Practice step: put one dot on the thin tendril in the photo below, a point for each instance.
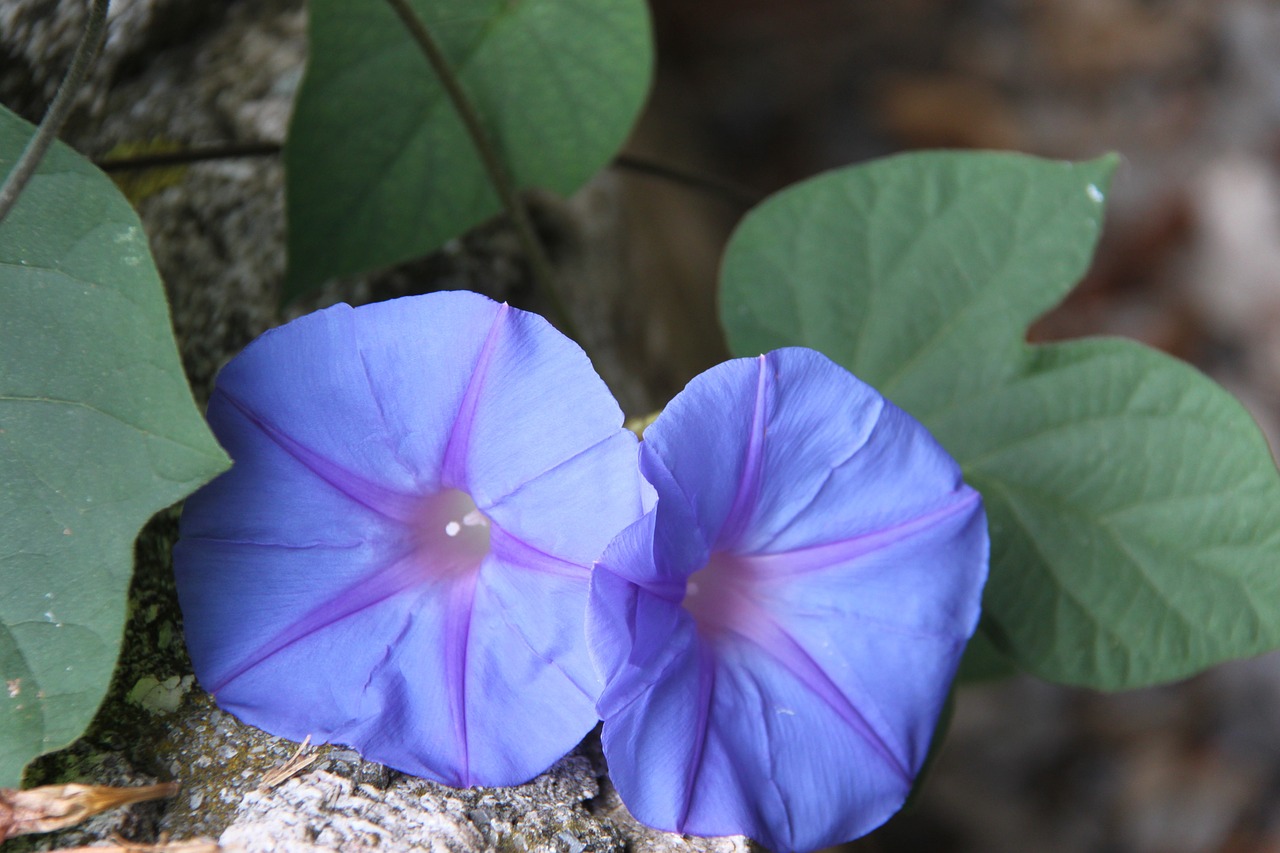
(493, 166)
(185, 157)
(94, 30)
(731, 193)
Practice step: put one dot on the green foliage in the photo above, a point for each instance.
(1133, 504)
(97, 432)
(379, 166)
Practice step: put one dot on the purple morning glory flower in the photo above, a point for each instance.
(778, 636)
(400, 557)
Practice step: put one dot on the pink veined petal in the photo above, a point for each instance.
(403, 719)
(244, 503)
(751, 737)
(531, 688)
(235, 539)
(351, 385)
(373, 697)
(329, 589)
(655, 739)
(728, 741)
(779, 424)
(520, 429)
(632, 631)
(844, 581)
(747, 495)
(678, 544)
(543, 600)
(701, 440)
(392, 505)
(804, 777)
(881, 626)
(457, 450)
(788, 565)
(599, 484)
(840, 461)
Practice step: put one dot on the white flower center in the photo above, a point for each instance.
(452, 535)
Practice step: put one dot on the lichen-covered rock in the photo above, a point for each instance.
(38, 38)
(325, 812)
(557, 813)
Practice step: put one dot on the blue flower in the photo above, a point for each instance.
(778, 636)
(399, 559)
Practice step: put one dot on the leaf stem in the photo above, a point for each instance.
(185, 157)
(493, 165)
(56, 115)
(731, 193)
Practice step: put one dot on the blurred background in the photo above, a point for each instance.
(764, 93)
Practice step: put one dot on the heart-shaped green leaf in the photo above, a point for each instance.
(1133, 504)
(379, 166)
(98, 431)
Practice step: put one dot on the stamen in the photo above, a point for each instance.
(719, 595)
(451, 534)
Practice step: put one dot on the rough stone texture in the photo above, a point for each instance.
(38, 38)
(327, 812)
(562, 810)
(226, 73)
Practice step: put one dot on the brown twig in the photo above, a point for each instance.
(194, 845)
(300, 761)
(59, 806)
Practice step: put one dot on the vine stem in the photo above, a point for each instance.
(56, 115)
(186, 156)
(730, 193)
(493, 166)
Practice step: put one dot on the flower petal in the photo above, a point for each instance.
(513, 430)
(806, 778)
(373, 392)
(695, 455)
(728, 741)
(317, 599)
(290, 684)
(633, 630)
(790, 692)
(657, 715)
(531, 688)
(883, 631)
(826, 481)
(794, 456)
(270, 510)
(576, 507)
